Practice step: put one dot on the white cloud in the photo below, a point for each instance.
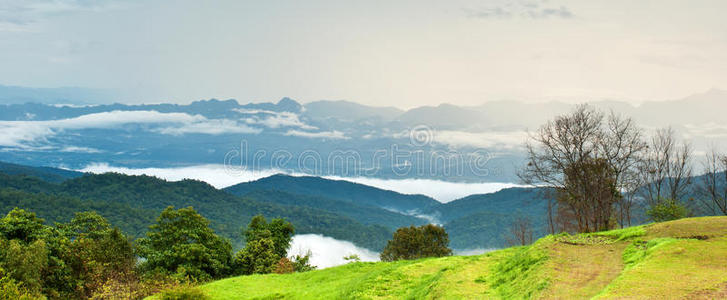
(209, 127)
(442, 191)
(336, 135)
(23, 134)
(327, 251)
(79, 149)
(216, 175)
(505, 139)
(18, 133)
(273, 119)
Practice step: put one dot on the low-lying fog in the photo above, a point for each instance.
(219, 177)
(328, 252)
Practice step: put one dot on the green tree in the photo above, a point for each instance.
(182, 243)
(25, 263)
(667, 210)
(258, 257)
(97, 251)
(27, 229)
(417, 242)
(267, 243)
(278, 230)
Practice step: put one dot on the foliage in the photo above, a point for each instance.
(25, 263)
(133, 286)
(181, 242)
(301, 263)
(667, 210)
(284, 266)
(258, 257)
(352, 258)
(35, 248)
(278, 230)
(417, 242)
(183, 292)
(97, 252)
(12, 290)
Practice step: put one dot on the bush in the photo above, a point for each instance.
(301, 263)
(11, 290)
(667, 210)
(185, 292)
(284, 266)
(417, 242)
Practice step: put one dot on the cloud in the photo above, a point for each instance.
(79, 149)
(216, 175)
(326, 251)
(442, 191)
(214, 127)
(531, 10)
(336, 135)
(280, 119)
(26, 134)
(492, 139)
(220, 176)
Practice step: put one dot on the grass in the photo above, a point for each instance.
(680, 259)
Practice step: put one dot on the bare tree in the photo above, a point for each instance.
(521, 231)
(586, 158)
(666, 168)
(632, 184)
(714, 182)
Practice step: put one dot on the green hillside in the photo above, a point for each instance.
(132, 202)
(679, 259)
(336, 189)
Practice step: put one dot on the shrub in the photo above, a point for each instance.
(184, 292)
(417, 242)
(301, 263)
(284, 266)
(667, 210)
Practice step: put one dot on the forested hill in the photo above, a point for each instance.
(343, 210)
(45, 173)
(337, 189)
(131, 202)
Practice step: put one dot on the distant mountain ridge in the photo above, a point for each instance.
(204, 132)
(336, 189)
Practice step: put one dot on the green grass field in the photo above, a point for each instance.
(683, 259)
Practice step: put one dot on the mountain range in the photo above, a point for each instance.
(341, 138)
(364, 215)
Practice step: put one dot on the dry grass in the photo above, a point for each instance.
(699, 228)
(582, 271)
(680, 269)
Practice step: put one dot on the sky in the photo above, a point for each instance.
(383, 53)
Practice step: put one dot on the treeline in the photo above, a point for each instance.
(89, 258)
(132, 202)
(602, 169)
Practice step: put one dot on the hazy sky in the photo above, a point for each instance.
(401, 53)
